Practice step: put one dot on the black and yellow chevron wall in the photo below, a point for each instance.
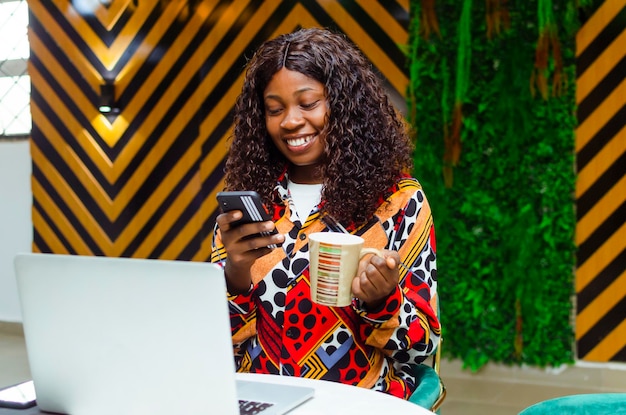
(601, 185)
(142, 183)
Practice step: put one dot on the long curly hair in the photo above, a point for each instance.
(367, 143)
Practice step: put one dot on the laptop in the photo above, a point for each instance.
(134, 336)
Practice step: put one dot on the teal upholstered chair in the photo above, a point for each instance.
(583, 404)
(430, 391)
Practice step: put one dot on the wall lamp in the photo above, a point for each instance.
(106, 102)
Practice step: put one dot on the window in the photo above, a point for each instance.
(15, 118)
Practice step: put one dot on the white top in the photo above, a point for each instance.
(305, 197)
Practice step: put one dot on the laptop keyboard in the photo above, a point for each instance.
(252, 407)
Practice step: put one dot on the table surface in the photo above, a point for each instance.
(333, 398)
(330, 398)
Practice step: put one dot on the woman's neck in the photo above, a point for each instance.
(305, 174)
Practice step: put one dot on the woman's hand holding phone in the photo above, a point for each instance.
(247, 234)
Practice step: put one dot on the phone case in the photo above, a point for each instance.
(250, 203)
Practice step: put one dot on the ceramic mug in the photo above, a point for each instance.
(334, 260)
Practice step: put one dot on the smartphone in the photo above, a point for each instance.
(20, 396)
(250, 204)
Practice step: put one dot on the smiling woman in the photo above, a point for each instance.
(367, 144)
(15, 119)
(295, 115)
(317, 136)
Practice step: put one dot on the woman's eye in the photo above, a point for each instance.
(273, 111)
(309, 105)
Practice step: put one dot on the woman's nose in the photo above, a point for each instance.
(293, 119)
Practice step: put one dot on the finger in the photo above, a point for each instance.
(392, 258)
(376, 276)
(247, 254)
(389, 265)
(271, 240)
(263, 250)
(234, 215)
(363, 263)
(381, 279)
(224, 220)
(372, 279)
(357, 286)
(368, 281)
(252, 230)
(370, 259)
(379, 265)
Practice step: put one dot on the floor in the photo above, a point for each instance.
(495, 390)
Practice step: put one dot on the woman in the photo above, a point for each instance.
(317, 137)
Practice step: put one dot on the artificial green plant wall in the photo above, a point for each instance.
(494, 121)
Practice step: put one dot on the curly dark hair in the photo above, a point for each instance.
(367, 142)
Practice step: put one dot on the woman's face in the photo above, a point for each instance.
(295, 115)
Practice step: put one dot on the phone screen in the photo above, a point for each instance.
(18, 396)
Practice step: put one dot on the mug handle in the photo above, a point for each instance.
(374, 251)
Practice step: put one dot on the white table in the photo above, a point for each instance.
(330, 398)
(333, 398)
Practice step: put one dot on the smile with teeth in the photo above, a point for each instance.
(299, 141)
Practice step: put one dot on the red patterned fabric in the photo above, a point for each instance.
(277, 329)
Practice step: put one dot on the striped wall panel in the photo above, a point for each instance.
(143, 183)
(601, 185)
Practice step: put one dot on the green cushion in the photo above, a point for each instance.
(583, 404)
(428, 386)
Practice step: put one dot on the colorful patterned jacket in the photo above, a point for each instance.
(277, 329)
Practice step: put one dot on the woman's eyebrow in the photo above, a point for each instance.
(297, 92)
